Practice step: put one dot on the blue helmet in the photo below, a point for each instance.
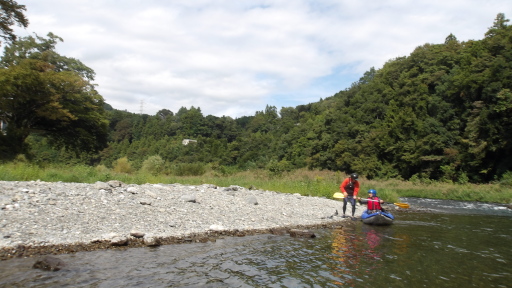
(373, 191)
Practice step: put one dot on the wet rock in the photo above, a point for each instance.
(119, 241)
(302, 233)
(278, 231)
(49, 263)
(152, 241)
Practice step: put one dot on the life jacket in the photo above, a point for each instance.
(349, 188)
(373, 203)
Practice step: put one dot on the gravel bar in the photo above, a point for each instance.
(38, 218)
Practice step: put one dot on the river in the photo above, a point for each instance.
(460, 244)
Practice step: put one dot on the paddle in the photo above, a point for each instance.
(338, 196)
(401, 205)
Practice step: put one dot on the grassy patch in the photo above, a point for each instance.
(303, 181)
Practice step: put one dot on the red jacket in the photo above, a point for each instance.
(349, 186)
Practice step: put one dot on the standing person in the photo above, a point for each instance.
(350, 187)
(373, 202)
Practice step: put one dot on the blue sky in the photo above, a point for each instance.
(233, 58)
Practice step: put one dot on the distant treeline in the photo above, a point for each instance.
(443, 113)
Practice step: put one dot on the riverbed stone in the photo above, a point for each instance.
(115, 183)
(189, 198)
(137, 234)
(101, 185)
(145, 202)
(119, 241)
(252, 200)
(152, 241)
(132, 190)
(49, 263)
(302, 233)
(278, 231)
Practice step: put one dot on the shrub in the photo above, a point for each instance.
(20, 158)
(154, 165)
(189, 169)
(103, 173)
(122, 165)
(228, 170)
(463, 178)
(506, 179)
(101, 169)
(278, 168)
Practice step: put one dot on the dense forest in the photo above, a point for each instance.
(443, 113)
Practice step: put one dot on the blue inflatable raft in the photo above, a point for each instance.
(377, 218)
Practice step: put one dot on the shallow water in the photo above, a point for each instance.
(469, 249)
(460, 207)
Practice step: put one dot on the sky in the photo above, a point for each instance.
(233, 58)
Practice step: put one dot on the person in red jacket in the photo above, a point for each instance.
(350, 187)
(373, 202)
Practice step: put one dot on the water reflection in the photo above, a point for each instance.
(361, 252)
(356, 254)
(344, 257)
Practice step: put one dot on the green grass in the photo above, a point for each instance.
(304, 182)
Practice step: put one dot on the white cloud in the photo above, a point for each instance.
(234, 57)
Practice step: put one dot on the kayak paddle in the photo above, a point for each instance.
(338, 196)
(401, 205)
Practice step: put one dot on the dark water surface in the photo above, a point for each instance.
(466, 248)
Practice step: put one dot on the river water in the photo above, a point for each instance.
(462, 244)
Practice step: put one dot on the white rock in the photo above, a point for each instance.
(215, 227)
(132, 190)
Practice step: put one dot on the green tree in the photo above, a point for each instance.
(43, 49)
(11, 13)
(500, 24)
(191, 121)
(59, 103)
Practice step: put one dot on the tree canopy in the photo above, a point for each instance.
(50, 95)
(11, 13)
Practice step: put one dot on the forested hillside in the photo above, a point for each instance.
(444, 112)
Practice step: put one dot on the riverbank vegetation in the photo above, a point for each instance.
(432, 124)
(306, 182)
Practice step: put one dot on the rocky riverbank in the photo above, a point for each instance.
(38, 218)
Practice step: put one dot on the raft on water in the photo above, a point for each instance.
(377, 218)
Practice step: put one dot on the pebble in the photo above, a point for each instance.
(79, 216)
